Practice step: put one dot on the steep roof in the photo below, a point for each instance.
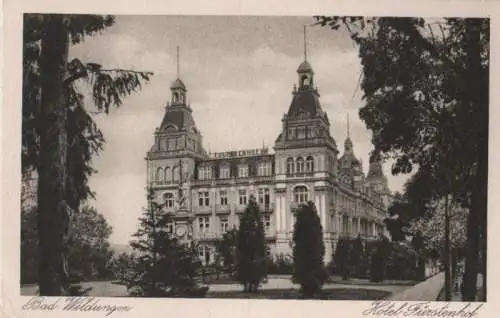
(305, 101)
(179, 117)
(375, 170)
(304, 67)
(178, 84)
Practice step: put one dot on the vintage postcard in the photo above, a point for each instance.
(234, 160)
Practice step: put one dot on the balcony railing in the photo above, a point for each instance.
(266, 207)
(222, 208)
(300, 174)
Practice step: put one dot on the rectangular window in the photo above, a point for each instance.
(301, 133)
(223, 197)
(205, 173)
(204, 223)
(224, 224)
(169, 200)
(263, 196)
(267, 169)
(243, 197)
(170, 227)
(224, 173)
(243, 171)
(264, 169)
(172, 143)
(203, 198)
(266, 222)
(260, 195)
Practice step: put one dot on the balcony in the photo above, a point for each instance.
(266, 207)
(263, 179)
(222, 208)
(203, 183)
(205, 235)
(300, 175)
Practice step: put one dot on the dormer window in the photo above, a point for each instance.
(264, 169)
(225, 172)
(301, 133)
(205, 173)
(243, 171)
(172, 144)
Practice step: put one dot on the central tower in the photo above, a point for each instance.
(306, 160)
(171, 161)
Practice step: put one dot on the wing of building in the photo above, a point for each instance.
(207, 193)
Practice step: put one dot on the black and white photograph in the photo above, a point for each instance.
(311, 157)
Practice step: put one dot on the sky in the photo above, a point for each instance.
(239, 72)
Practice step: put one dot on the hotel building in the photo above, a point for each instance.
(305, 166)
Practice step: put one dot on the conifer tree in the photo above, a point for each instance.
(342, 258)
(308, 251)
(164, 267)
(251, 249)
(59, 135)
(226, 251)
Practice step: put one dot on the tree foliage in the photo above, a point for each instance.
(226, 250)
(59, 136)
(123, 266)
(108, 86)
(342, 258)
(251, 251)
(308, 251)
(89, 252)
(425, 85)
(164, 267)
(432, 227)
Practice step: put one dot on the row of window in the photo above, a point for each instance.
(168, 175)
(263, 169)
(303, 132)
(263, 197)
(204, 224)
(299, 165)
(365, 229)
(300, 195)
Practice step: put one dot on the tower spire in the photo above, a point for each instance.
(178, 74)
(348, 134)
(305, 43)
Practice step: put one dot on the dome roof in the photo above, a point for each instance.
(178, 84)
(348, 143)
(304, 67)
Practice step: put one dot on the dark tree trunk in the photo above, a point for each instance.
(52, 215)
(477, 96)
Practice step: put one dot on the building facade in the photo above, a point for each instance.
(207, 193)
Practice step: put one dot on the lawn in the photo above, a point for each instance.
(328, 294)
(367, 282)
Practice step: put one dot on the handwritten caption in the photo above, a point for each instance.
(82, 304)
(422, 309)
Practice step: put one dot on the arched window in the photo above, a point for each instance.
(290, 168)
(176, 97)
(345, 224)
(300, 194)
(168, 177)
(305, 81)
(168, 198)
(175, 174)
(300, 165)
(309, 164)
(159, 175)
